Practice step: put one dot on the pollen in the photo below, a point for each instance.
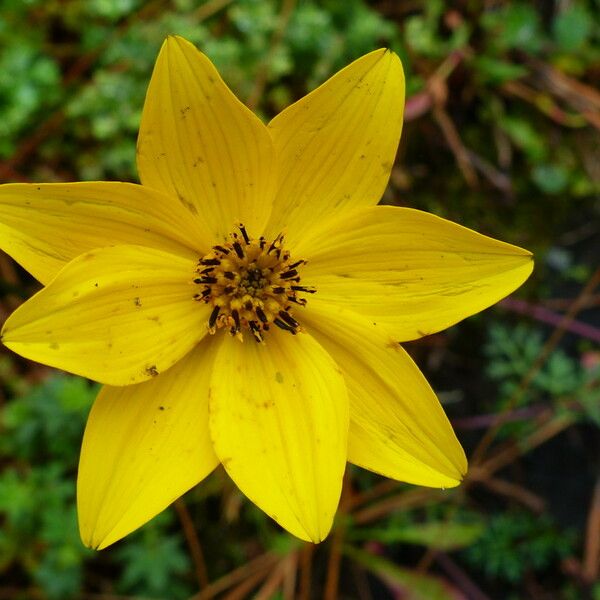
(252, 284)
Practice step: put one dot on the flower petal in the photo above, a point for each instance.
(45, 225)
(397, 426)
(409, 270)
(144, 446)
(198, 142)
(279, 423)
(336, 147)
(118, 315)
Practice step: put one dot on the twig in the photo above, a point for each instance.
(489, 419)
(461, 154)
(549, 346)
(335, 555)
(242, 591)
(508, 454)
(272, 582)
(404, 500)
(260, 563)
(288, 587)
(515, 492)
(261, 79)
(193, 542)
(333, 566)
(459, 577)
(306, 555)
(384, 487)
(545, 315)
(208, 9)
(591, 557)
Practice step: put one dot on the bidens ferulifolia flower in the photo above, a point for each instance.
(266, 235)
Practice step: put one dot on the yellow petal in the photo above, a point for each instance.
(198, 142)
(118, 315)
(45, 225)
(336, 147)
(397, 426)
(279, 423)
(409, 270)
(144, 446)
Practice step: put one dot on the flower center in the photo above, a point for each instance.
(251, 284)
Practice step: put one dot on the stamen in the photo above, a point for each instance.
(255, 330)
(238, 249)
(288, 319)
(289, 274)
(244, 233)
(236, 319)
(261, 315)
(213, 317)
(296, 264)
(284, 326)
(251, 284)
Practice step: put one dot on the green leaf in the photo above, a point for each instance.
(412, 586)
(514, 26)
(523, 134)
(497, 71)
(551, 179)
(439, 535)
(572, 27)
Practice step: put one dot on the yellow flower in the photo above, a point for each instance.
(266, 235)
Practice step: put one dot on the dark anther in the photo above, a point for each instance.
(297, 264)
(248, 305)
(255, 329)
(288, 319)
(229, 275)
(207, 270)
(289, 274)
(278, 290)
(300, 301)
(244, 233)
(260, 314)
(300, 288)
(213, 316)
(236, 319)
(238, 249)
(221, 249)
(274, 243)
(211, 261)
(206, 280)
(202, 295)
(282, 325)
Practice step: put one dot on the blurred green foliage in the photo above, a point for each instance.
(520, 161)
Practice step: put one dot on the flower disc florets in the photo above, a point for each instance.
(251, 284)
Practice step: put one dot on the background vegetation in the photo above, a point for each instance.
(502, 135)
